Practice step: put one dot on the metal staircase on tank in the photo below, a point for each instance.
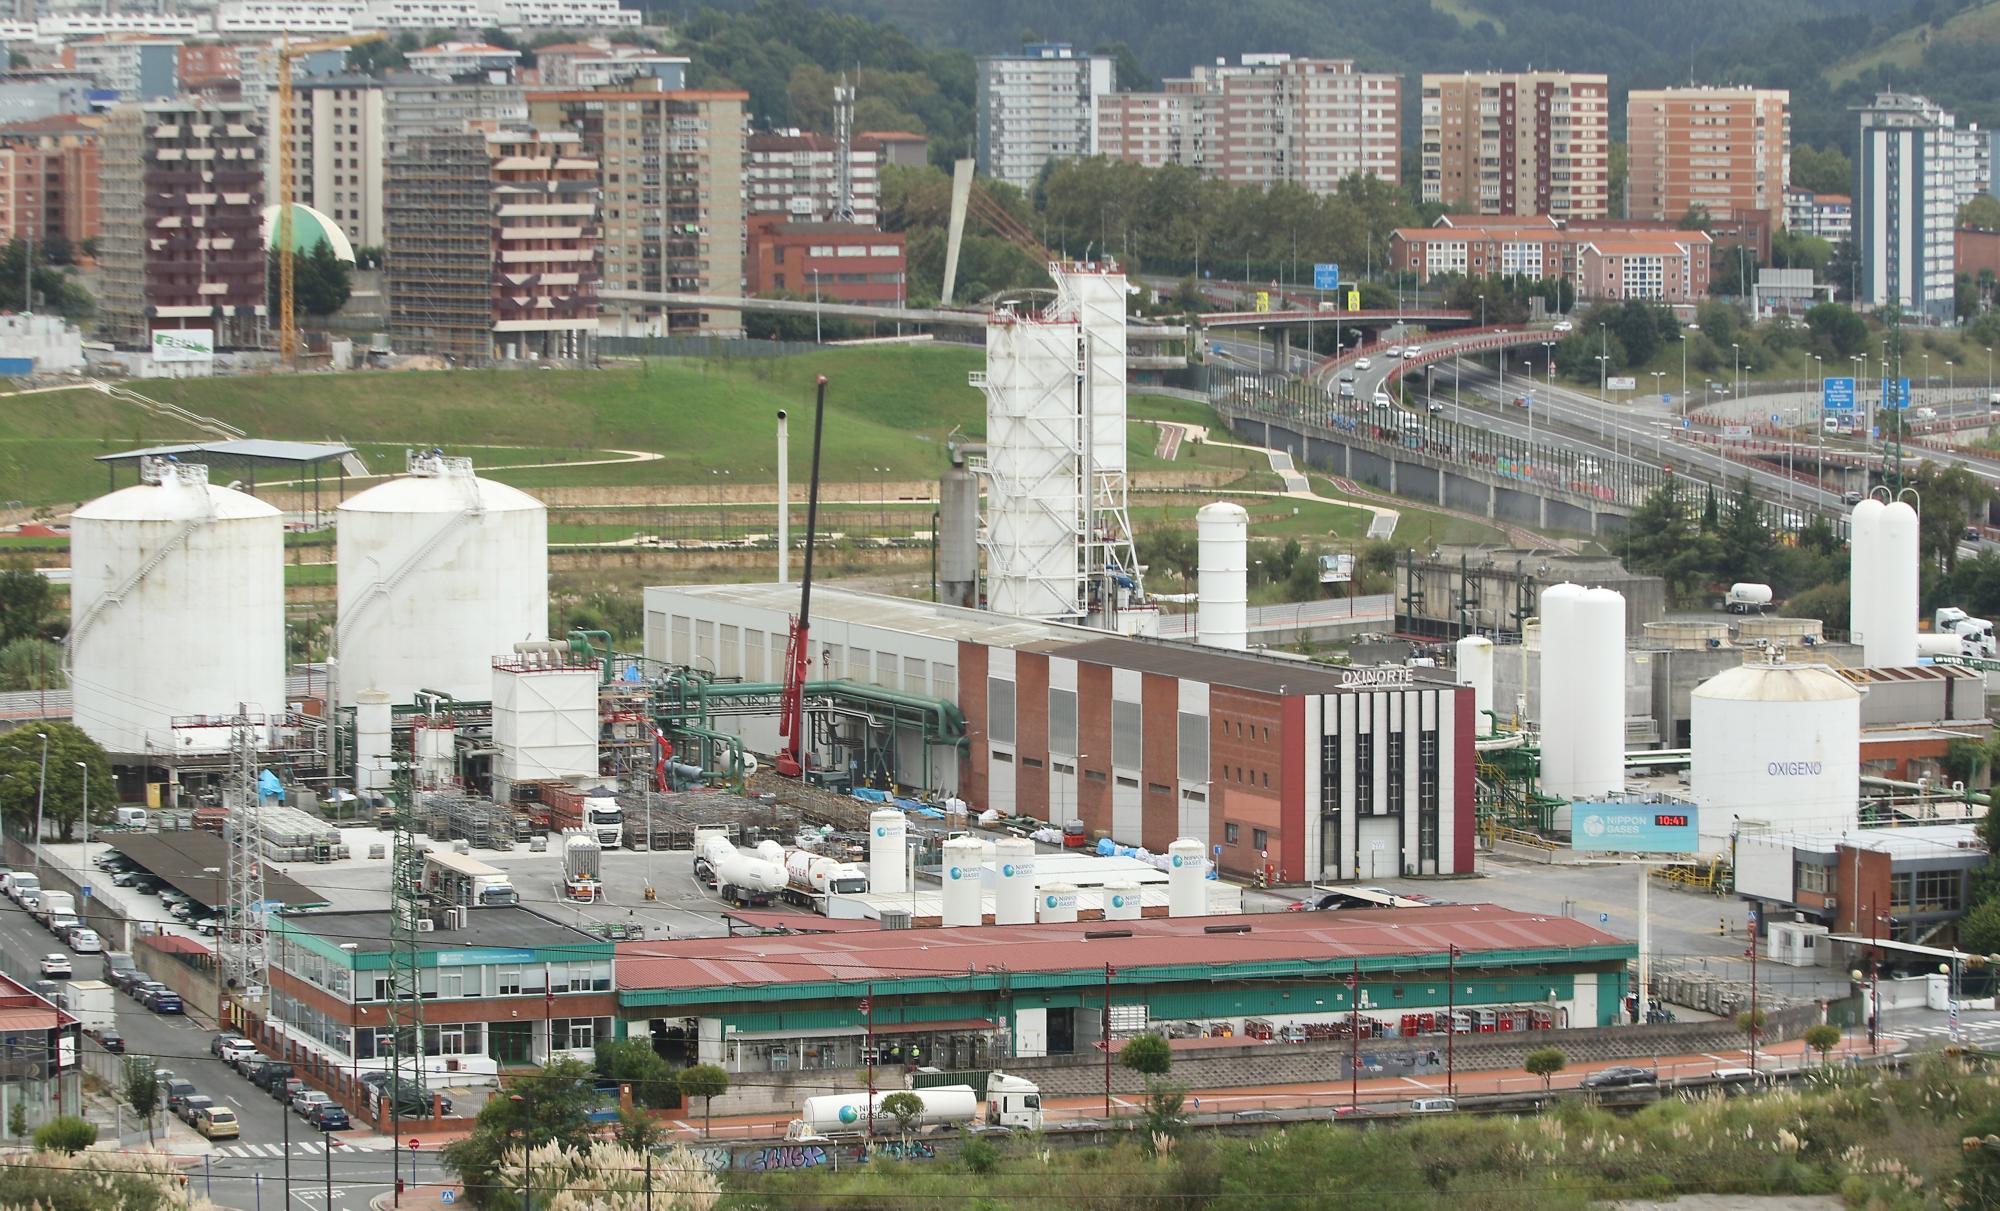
(196, 476)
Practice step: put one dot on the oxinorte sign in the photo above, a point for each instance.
(1377, 679)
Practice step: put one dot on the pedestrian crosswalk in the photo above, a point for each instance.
(1942, 1030)
(299, 1148)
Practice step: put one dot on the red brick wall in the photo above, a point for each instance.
(1160, 821)
(1860, 900)
(1031, 734)
(1093, 736)
(972, 701)
(1290, 860)
(1246, 730)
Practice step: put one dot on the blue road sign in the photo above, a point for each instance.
(1837, 395)
(1667, 399)
(1604, 918)
(1896, 393)
(1326, 277)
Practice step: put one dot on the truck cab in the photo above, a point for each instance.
(605, 820)
(1013, 1102)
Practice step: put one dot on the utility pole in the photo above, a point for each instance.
(1354, 1037)
(246, 954)
(406, 1003)
(1109, 971)
(1751, 916)
(868, 1007)
(1451, 1020)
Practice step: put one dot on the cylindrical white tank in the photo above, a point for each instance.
(434, 740)
(1559, 671)
(1058, 902)
(1864, 538)
(371, 741)
(964, 899)
(1222, 536)
(1474, 657)
(1597, 701)
(1014, 881)
(1775, 745)
(440, 571)
(1121, 902)
(1187, 866)
(887, 831)
(1892, 643)
(201, 633)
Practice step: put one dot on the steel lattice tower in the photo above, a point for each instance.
(246, 950)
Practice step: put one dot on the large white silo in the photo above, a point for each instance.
(373, 721)
(1559, 669)
(440, 571)
(1057, 903)
(888, 831)
(1187, 870)
(1864, 536)
(1013, 881)
(964, 899)
(1775, 746)
(177, 609)
(1597, 705)
(1474, 664)
(1222, 546)
(1892, 642)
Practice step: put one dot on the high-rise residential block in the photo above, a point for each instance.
(1722, 149)
(1037, 106)
(181, 244)
(339, 151)
(49, 179)
(797, 174)
(1270, 119)
(135, 66)
(672, 168)
(419, 106)
(1910, 168)
(1517, 143)
(545, 237)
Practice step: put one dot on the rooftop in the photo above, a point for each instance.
(1244, 670)
(513, 928)
(195, 861)
(832, 604)
(242, 451)
(1913, 842)
(1319, 940)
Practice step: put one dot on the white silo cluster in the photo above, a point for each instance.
(1582, 691)
(1222, 544)
(1775, 746)
(1473, 661)
(177, 609)
(964, 897)
(1882, 582)
(440, 571)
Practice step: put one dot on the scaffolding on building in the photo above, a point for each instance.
(438, 221)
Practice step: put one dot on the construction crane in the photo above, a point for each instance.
(288, 320)
(792, 760)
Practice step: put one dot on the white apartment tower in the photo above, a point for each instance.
(1037, 106)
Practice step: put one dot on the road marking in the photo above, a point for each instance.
(688, 1127)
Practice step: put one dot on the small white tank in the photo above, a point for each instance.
(1474, 656)
(1014, 881)
(964, 898)
(1187, 867)
(371, 741)
(1222, 550)
(1057, 903)
(887, 831)
(1121, 902)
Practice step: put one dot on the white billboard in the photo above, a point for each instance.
(184, 345)
(1622, 384)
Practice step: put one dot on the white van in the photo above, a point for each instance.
(1433, 1105)
(134, 817)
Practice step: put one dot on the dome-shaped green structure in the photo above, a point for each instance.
(309, 227)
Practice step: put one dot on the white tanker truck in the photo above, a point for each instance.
(741, 877)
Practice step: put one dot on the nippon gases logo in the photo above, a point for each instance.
(881, 830)
(1117, 901)
(1050, 901)
(1177, 860)
(1007, 871)
(954, 872)
(849, 1114)
(1593, 826)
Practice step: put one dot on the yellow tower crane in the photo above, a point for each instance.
(288, 319)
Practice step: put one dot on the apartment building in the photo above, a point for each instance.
(134, 66)
(181, 241)
(838, 262)
(419, 106)
(1269, 119)
(437, 213)
(1829, 216)
(1605, 261)
(1909, 172)
(797, 174)
(49, 179)
(673, 195)
(339, 151)
(600, 62)
(1723, 149)
(545, 213)
(1517, 143)
(454, 59)
(1037, 106)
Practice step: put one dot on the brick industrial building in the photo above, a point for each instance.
(845, 262)
(1528, 143)
(181, 244)
(1723, 149)
(1606, 260)
(1271, 119)
(1312, 772)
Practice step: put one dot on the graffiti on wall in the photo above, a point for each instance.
(914, 1150)
(715, 1156)
(786, 1156)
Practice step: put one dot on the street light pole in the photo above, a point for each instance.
(1451, 1020)
(85, 767)
(41, 794)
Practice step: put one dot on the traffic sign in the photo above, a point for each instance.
(447, 1196)
(1667, 399)
(1775, 420)
(1604, 918)
(415, 1143)
(1837, 395)
(1326, 277)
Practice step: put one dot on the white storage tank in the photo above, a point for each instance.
(372, 718)
(1122, 902)
(1058, 902)
(177, 608)
(1013, 881)
(1864, 538)
(1775, 745)
(964, 898)
(1597, 702)
(887, 830)
(1892, 642)
(1187, 868)
(1474, 660)
(1560, 668)
(440, 571)
(1222, 537)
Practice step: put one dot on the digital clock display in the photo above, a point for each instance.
(1670, 821)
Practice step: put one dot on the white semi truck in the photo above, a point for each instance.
(812, 877)
(1975, 634)
(742, 877)
(1011, 1102)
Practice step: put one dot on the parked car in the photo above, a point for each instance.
(218, 1123)
(166, 1001)
(269, 1073)
(242, 1052)
(305, 1100)
(1619, 1076)
(191, 1106)
(176, 1091)
(130, 878)
(84, 941)
(56, 967)
(329, 1117)
(111, 1041)
(1433, 1105)
(286, 1089)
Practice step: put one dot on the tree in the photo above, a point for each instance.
(142, 1090)
(1545, 1062)
(1842, 331)
(550, 1107)
(636, 1129)
(1696, 219)
(1982, 212)
(1822, 171)
(707, 1082)
(1823, 1039)
(31, 664)
(1148, 1054)
(634, 1062)
(17, 1119)
(66, 1133)
(1980, 931)
(906, 1108)
(1152, 1057)
(24, 604)
(62, 806)
(1751, 1022)
(321, 281)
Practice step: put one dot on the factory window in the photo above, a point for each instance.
(1230, 833)
(1264, 778)
(1810, 878)
(1194, 797)
(1093, 775)
(1127, 735)
(1398, 774)
(1427, 796)
(730, 662)
(1192, 753)
(1157, 788)
(1260, 839)
(1329, 775)
(829, 658)
(1937, 891)
(1000, 710)
(1032, 762)
(573, 1034)
(1131, 782)
(1062, 722)
(509, 983)
(1364, 774)
(1061, 768)
(913, 674)
(944, 682)
(704, 644)
(885, 671)
(679, 652)
(1003, 757)
(753, 655)
(451, 983)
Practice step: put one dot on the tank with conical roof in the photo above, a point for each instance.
(177, 610)
(440, 571)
